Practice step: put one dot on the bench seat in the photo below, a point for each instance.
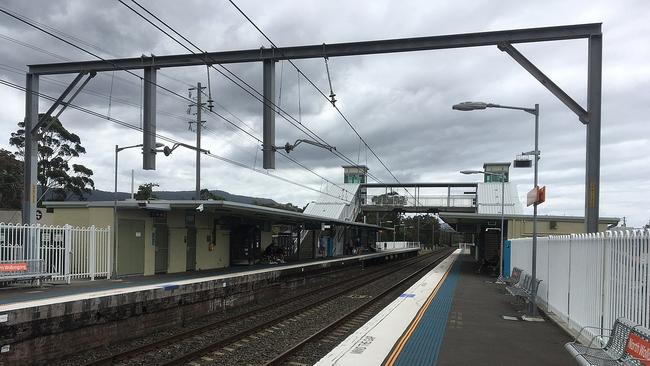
(616, 351)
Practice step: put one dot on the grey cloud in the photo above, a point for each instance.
(401, 103)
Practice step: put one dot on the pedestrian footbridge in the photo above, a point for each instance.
(419, 197)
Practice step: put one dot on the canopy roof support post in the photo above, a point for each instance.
(268, 110)
(594, 99)
(149, 120)
(30, 188)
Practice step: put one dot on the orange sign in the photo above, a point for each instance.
(536, 196)
(13, 267)
(638, 348)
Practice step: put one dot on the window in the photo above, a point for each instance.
(495, 178)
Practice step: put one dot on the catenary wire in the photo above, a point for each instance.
(285, 115)
(128, 71)
(323, 94)
(162, 137)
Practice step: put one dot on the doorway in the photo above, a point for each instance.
(190, 264)
(130, 247)
(161, 242)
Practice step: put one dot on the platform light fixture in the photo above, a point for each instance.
(471, 106)
(503, 180)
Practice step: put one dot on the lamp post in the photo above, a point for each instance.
(394, 228)
(404, 232)
(470, 106)
(159, 148)
(379, 232)
(114, 256)
(502, 177)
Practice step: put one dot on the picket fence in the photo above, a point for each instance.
(54, 252)
(591, 279)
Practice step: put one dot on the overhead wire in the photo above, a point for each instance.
(159, 136)
(130, 72)
(90, 91)
(320, 92)
(249, 89)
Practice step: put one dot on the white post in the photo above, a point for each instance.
(92, 257)
(132, 183)
(67, 255)
(37, 255)
(108, 255)
(568, 305)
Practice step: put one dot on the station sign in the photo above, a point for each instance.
(522, 163)
(13, 267)
(536, 196)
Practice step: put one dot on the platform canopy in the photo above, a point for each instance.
(225, 208)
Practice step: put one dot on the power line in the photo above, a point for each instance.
(285, 115)
(33, 25)
(198, 48)
(295, 161)
(161, 137)
(90, 91)
(128, 71)
(320, 92)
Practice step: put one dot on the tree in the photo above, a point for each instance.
(207, 195)
(389, 199)
(56, 147)
(145, 192)
(11, 180)
(280, 206)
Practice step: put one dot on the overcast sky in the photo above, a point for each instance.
(400, 103)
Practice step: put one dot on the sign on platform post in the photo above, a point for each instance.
(536, 196)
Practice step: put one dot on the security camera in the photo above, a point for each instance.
(200, 208)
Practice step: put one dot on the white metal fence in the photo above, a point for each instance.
(441, 200)
(465, 248)
(591, 279)
(62, 252)
(393, 245)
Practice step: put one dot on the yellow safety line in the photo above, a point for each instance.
(397, 349)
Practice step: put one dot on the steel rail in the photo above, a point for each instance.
(136, 351)
(184, 359)
(322, 332)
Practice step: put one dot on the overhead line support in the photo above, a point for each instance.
(545, 81)
(268, 114)
(333, 50)
(268, 56)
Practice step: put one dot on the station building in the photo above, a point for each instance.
(163, 236)
(483, 226)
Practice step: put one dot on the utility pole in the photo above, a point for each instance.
(199, 124)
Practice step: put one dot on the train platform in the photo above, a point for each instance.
(13, 298)
(452, 316)
(35, 321)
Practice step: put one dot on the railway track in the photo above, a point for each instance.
(309, 350)
(276, 340)
(168, 349)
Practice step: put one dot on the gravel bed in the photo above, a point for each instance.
(313, 281)
(270, 342)
(223, 331)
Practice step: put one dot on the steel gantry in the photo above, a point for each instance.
(504, 40)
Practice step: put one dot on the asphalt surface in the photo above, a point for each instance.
(476, 333)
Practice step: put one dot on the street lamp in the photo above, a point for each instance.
(470, 106)
(160, 147)
(395, 227)
(379, 231)
(117, 150)
(503, 180)
(404, 232)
